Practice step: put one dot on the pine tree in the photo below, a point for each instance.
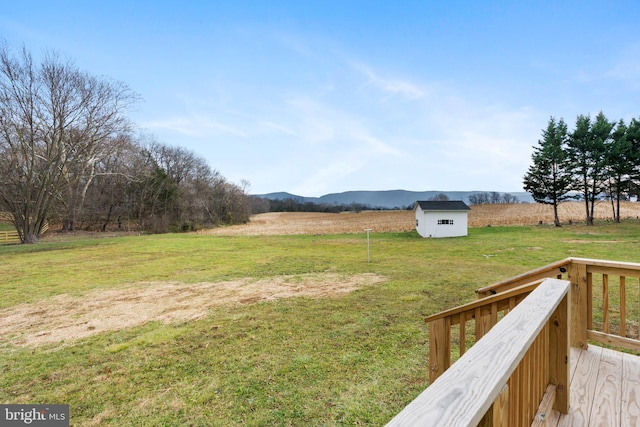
(548, 178)
(587, 149)
(621, 162)
(633, 138)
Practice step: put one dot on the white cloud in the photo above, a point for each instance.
(390, 86)
(196, 126)
(178, 125)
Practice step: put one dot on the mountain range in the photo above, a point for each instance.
(389, 199)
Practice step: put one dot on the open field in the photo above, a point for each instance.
(212, 330)
(280, 223)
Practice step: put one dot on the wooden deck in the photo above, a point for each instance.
(605, 390)
(587, 301)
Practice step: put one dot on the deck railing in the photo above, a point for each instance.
(603, 306)
(606, 299)
(452, 331)
(502, 379)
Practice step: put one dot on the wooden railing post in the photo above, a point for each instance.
(439, 347)
(559, 357)
(579, 304)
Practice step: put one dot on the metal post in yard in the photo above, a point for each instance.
(368, 246)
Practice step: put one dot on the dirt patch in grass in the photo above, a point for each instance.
(67, 318)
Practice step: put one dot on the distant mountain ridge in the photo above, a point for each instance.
(388, 199)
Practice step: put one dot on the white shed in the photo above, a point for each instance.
(441, 218)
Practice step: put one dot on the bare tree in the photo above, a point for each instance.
(479, 199)
(99, 131)
(495, 198)
(176, 190)
(440, 197)
(54, 122)
(509, 198)
(107, 199)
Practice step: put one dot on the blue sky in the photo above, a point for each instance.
(315, 97)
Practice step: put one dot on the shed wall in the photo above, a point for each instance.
(441, 223)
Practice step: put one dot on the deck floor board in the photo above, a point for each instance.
(605, 410)
(630, 403)
(605, 390)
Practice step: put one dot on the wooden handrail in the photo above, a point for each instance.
(606, 266)
(483, 313)
(465, 393)
(556, 269)
(611, 326)
(526, 288)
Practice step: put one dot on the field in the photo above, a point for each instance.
(275, 223)
(252, 328)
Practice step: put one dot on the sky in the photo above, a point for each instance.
(317, 97)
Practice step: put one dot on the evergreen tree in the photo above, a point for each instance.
(633, 138)
(620, 162)
(587, 148)
(548, 178)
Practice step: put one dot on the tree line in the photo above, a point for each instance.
(69, 154)
(484, 198)
(294, 204)
(598, 159)
(492, 198)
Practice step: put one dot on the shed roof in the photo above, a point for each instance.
(448, 205)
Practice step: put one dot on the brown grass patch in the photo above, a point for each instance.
(67, 318)
(280, 223)
(536, 213)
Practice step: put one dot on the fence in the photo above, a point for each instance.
(9, 237)
(12, 237)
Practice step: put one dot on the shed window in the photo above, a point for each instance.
(445, 222)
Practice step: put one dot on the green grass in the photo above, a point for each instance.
(5, 226)
(353, 359)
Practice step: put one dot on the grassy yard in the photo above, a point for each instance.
(354, 358)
